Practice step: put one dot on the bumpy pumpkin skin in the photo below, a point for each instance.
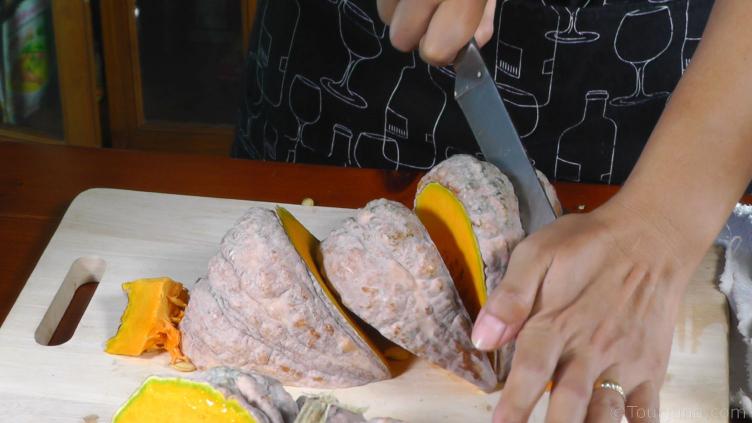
(220, 395)
(149, 322)
(261, 309)
(387, 270)
(464, 189)
(491, 205)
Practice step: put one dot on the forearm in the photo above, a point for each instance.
(698, 160)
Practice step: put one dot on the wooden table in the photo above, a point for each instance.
(38, 182)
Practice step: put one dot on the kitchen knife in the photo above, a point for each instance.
(479, 99)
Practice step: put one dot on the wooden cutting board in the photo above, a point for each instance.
(114, 236)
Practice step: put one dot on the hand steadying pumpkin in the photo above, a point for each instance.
(595, 296)
(589, 298)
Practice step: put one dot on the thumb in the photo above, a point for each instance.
(509, 305)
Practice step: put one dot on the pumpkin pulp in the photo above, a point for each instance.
(450, 228)
(155, 306)
(180, 400)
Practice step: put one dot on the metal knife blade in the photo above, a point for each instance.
(479, 99)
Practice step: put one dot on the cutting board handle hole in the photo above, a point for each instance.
(69, 304)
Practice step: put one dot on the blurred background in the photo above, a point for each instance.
(140, 74)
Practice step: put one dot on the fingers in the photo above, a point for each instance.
(386, 9)
(410, 21)
(450, 29)
(439, 27)
(510, 303)
(533, 364)
(606, 405)
(486, 28)
(573, 387)
(643, 405)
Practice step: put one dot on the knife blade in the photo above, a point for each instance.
(475, 91)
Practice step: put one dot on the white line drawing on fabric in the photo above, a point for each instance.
(305, 104)
(245, 136)
(688, 50)
(570, 34)
(397, 124)
(511, 61)
(632, 45)
(358, 33)
(586, 149)
(274, 48)
(371, 149)
(517, 66)
(692, 39)
(341, 140)
(513, 64)
(270, 141)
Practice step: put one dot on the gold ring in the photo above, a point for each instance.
(610, 384)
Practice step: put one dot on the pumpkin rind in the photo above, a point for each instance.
(262, 309)
(387, 270)
(220, 395)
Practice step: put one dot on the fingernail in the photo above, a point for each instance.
(487, 332)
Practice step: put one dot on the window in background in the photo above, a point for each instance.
(191, 59)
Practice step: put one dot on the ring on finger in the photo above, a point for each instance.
(611, 385)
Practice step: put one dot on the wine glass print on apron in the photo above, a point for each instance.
(572, 35)
(643, 35)
(305, 104)
(358, 33)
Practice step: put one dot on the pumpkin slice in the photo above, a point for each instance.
(462, 190)
(149, 322)
(263, 307)
(471, 212)
(308, 247)
(451, 230)
(221, 395)
(387, 271)
(180, 400)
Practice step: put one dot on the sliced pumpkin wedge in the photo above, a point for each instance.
(307, 247)
(450, 228)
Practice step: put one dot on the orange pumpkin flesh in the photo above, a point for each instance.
(149, 322)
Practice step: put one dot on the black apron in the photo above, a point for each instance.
(584, 81)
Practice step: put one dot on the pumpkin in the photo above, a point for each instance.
(165, 399)
(387, 270)
(471, 212)
(149, 322)
(264, 307)
(451, 229)
(221, 395)
(307, 247)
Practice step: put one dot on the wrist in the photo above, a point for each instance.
(667, 241)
